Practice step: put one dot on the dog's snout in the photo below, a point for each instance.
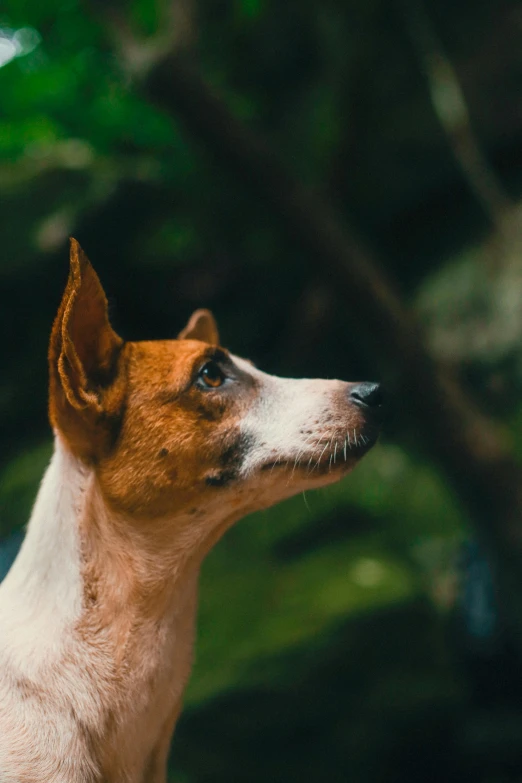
(367, 395)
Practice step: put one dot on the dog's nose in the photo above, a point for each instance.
(367, 395)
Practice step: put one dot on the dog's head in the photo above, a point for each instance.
(179, 427)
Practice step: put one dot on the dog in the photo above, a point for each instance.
(160, 447)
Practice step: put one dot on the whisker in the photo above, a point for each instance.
(321, 454)
(278, 460)
(300, 454)
(312, 457)
(306, 502)
(296, 461)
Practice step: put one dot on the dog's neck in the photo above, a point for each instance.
(88, 593)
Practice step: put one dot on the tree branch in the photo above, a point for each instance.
(451, 108)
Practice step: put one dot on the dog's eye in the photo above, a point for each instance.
(212, 375)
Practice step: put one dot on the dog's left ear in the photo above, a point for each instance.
(201, 326)
(84, 351)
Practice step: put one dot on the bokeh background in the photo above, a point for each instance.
(339, 181)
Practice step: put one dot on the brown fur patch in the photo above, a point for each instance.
(191, 444)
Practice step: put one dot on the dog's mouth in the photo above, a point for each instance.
(327, 455)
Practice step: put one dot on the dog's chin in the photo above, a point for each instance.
(319, 469)
(276, 480)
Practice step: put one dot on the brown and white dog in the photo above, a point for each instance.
(159, 448)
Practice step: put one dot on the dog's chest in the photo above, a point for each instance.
(102, 715)
(148, 693)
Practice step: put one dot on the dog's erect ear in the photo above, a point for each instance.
(201, 326)
(83, 357)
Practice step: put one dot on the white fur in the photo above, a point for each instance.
(40, 601)
(285, 410)
(41, 596)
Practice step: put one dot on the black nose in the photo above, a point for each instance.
(367, 395)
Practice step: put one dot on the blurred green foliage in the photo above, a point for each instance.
(328, 642)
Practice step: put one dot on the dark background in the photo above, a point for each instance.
(339, 181)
